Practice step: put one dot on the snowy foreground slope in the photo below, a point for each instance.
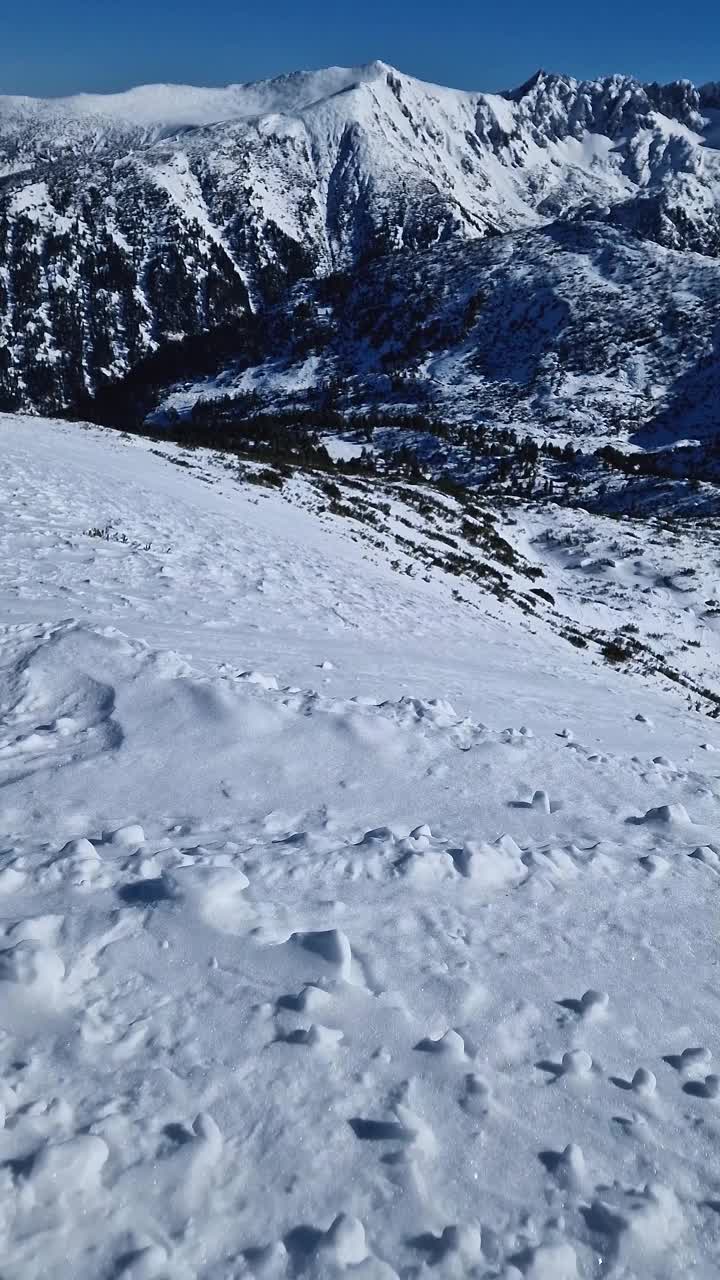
(347, 930)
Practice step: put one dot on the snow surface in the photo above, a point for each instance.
(346, 930)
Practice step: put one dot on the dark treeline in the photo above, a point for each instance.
(127, 402)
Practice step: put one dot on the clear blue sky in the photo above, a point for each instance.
(61, 46)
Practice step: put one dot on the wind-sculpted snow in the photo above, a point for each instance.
(349, 926)
(168, 211)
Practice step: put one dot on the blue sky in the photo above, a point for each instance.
(61, 46)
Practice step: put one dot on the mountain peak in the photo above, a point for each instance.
(377, 68)
(539, 78)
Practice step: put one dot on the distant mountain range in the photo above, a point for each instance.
(132, 220)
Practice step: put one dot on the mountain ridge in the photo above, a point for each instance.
(117, 237)
(139, 97)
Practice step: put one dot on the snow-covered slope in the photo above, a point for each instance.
(166, 211)
(353, 924)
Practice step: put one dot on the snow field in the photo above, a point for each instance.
(345, 930)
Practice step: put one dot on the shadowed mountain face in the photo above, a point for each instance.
(568, 331)
(131, 220)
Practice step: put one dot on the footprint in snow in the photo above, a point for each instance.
(664, 815)
(315, 1036)
(707, 1088)
(691, 1059)
(458, 1244)
(450, 1046)
(592, 1004)
(567, 1167)
(576, 1064)
(310, 1251)
(540, 802)
(643, 1083)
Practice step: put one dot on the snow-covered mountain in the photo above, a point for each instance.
(131, 219)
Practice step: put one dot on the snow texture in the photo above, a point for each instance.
(347, 928)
